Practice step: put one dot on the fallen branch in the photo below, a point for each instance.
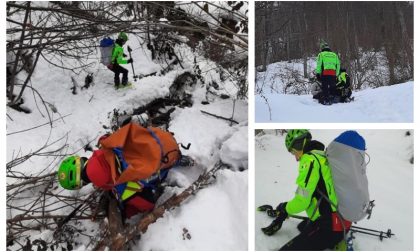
(119, 241)
(31, 181)
(220, 117)
(19, 218)
(66, 219)
(20, 131)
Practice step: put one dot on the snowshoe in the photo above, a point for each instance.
(121, 86)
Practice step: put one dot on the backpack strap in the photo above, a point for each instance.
(160, 145)
(164, 156)
(151, 182)
(121, 166)
(321, 179)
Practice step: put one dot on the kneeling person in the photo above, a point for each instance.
(315, 194)
(132, 163)
(343, 86)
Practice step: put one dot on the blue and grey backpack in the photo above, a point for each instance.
(346, 158)
(106, 46)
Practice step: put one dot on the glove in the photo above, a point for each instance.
(281, 214)
(273, 212)
(130, 60)
(318, 77)
(124, 55)
(281, 207)
(269, 209)
(275, 225)
(264, 208)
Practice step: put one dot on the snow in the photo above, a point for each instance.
(221, 10)
(391, 185)
(385, 104)
(276, 90)
(233, 151)
(216, 216)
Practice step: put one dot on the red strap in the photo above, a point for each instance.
(328, 72)
(337, 224)
(137, 205)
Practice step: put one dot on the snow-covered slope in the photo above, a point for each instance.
(384, 104)
(390, 184)
(216, 217)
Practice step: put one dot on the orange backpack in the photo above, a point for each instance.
(145, 150)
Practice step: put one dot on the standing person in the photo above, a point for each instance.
(117, 59)
(327, 70)
(323, 229)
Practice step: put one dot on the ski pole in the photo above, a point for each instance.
(299, 217)
(388, 233)
(381, 236)
(356, 229)
(132, 67)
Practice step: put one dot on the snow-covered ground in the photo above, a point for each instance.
(216, 217)
(278, 102)
(390, 184)
(385, 104)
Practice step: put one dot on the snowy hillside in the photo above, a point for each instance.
(216, 217)
(390, 177)
(384, 104)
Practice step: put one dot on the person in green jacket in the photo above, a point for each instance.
(343, 85)
(315, 194)
(327, 69)
(118, 58)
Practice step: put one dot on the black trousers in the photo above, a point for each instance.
(328, 86)
(117, 69)
(316, 236)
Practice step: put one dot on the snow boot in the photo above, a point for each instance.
(186, 161)
(326, 102)
(141, 119)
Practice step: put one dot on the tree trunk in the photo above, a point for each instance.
(18, 54)
(387, 44)
(305, 49)
(405, 38)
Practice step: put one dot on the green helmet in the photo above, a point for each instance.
(123, 36)
(324, 45)
(69, 173)
(295, 138)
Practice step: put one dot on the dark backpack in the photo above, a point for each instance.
(347, 81)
